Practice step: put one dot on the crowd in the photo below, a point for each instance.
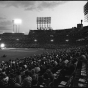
(41, 70)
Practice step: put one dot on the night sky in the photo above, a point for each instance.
(64, 14)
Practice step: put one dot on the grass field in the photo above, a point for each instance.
(13, 53)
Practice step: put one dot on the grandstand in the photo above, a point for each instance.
(40, 38)
(45, 58)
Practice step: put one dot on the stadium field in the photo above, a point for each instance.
(13, 53)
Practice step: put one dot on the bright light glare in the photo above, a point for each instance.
(17, 21)
(51, 40)
(17, 39)
(2, 45)
(35, 40)
(66, 40)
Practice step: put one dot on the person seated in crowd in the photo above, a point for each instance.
(18, 78)
(34, 77)
(39, 70)
(12, 81)
(48, 76)
(27, 81)
(4, 80)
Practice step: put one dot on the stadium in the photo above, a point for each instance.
(45, 57)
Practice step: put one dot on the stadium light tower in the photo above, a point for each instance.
(17, 22)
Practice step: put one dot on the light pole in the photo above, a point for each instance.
(17, 22)
(13, 24)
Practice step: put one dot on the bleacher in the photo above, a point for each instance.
(60, 68)
(46, 38)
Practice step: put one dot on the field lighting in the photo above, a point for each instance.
(51, 40)
(17, 39)
(17, 21)
(2, 45)
(35, 40)
(67, 40)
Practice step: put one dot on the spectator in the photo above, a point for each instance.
(12, 81)
(37, 69)
(48, 76)
(18, 78)
(34, 77)
(27, 81)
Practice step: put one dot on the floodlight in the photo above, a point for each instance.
(17, 39)
(51, 40)
(2, 45)
(35, 40)
(66, 40)
(17, 21)
(67, 35)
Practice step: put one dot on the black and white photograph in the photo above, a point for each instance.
(44, 43)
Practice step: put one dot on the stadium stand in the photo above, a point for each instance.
(67, 66)
(59, 68)
(46, 38)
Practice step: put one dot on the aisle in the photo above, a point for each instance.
(82, 81)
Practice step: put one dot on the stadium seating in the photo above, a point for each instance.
(46, 38)
(60, 68)
(67, 66)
